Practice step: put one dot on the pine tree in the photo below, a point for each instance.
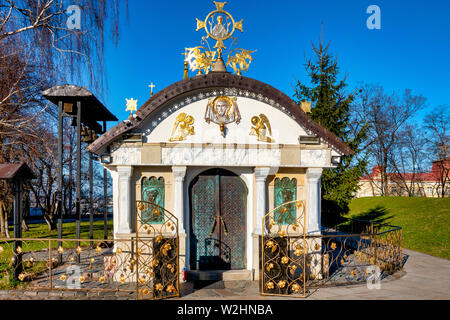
(331, 109)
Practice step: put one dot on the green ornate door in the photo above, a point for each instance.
(218, 221)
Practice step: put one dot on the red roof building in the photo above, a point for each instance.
(428, 184)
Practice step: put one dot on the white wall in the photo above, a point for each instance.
(285, 130)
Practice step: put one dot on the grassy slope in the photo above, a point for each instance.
(425, 221)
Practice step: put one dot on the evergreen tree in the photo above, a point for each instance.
(331, 108)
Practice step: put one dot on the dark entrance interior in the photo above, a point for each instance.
(218, 200)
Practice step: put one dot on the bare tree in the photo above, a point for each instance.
(437, 123)
(41, 44)
(43, 159)
(386, 115)
(407, 160)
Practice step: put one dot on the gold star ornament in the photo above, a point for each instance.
(131, 105)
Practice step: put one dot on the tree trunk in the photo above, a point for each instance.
(2, 221)
(24, 226)
(4, 213)
(26, 211)
(51, 223)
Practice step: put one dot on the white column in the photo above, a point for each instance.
(313, 199)
(179, 173)
(115, 194)
(261, 174)
(125, 201)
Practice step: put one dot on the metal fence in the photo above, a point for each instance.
(145, 263)
(67, 264)
(294, 262)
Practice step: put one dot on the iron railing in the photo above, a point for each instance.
(145, 262)
(349, 253)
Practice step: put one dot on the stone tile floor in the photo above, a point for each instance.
(424, 277)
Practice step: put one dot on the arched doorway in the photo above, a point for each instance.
(218, 206)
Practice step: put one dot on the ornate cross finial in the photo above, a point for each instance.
(219, 26)
(131, 105)
(151, 86)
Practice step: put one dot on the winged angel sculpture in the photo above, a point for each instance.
(183, 127)
(260, 127)
(241, 61)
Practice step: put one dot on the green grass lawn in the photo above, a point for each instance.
(41, 231)
(69, 230)
(425, 221)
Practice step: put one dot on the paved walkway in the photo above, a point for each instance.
(424, 277)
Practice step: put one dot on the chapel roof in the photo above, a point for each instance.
(217, 80)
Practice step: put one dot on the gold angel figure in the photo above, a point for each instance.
(183, 127)
(201, 61)
(241, 61)
(260, 127)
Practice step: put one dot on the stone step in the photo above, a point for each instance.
(187, 288)
(220, 275)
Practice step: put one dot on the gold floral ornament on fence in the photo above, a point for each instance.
(283, 253)
(157, 255)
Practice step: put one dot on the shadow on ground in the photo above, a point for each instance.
(379, 214)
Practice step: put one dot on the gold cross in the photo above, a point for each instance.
(151, 86)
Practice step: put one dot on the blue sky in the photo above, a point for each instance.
(411, 50)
